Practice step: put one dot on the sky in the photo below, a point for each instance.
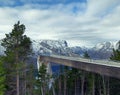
(79, 22)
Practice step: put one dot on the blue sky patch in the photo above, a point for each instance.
(13, 3)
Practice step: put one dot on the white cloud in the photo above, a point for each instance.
(84, 26)
(100, 7)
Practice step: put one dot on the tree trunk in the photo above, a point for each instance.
(93, 84)
(65, 84)
(25, 88)
(17, 76)
(100, 92)
(99, 87)
(59, 86)
(42, 91)
(18, 83)
(75, 87)
(108, 88)
(25, 79)
(53, 90)
(104, 85)
(82, 83)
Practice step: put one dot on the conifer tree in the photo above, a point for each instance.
(116, 53)
(2, 78)
(43, 79)
(86, 55)
(18, 47)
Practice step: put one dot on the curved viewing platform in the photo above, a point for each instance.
(102, 67)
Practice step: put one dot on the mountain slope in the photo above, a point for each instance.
(99, 51)
(51, 47)
(102, 50)
(60, 47)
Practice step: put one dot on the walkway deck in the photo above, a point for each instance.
(102, 67)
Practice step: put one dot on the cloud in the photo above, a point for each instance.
(79, 23)
(101, 7)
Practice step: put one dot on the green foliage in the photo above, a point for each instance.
(114, 86)
(16, 42)
(30, 80)
(42, 74)
(18, 48)
(43, 79)
(86, 55)
(2, 78)
(115, 83)
(116, 55)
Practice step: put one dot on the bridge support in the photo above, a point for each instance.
(49, 71)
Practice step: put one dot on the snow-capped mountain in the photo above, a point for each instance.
(108, 46)
(103, 50)
(59, 47)
(78, 50)
(99, 51)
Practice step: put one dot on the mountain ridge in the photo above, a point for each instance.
(60, 47)
(99, 51)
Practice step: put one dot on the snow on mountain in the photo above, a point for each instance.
(108, 46)
(103, 50)
(99, 51)
(78, 50)
(60, 47)
(51, 47)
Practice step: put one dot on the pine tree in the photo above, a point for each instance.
(86, 55)
(18, 47)
(30, 80)
(116, 53)
(43, 79)
(2, 78)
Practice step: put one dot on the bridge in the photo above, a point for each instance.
(102, 67)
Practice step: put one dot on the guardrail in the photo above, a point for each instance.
(102, 62)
